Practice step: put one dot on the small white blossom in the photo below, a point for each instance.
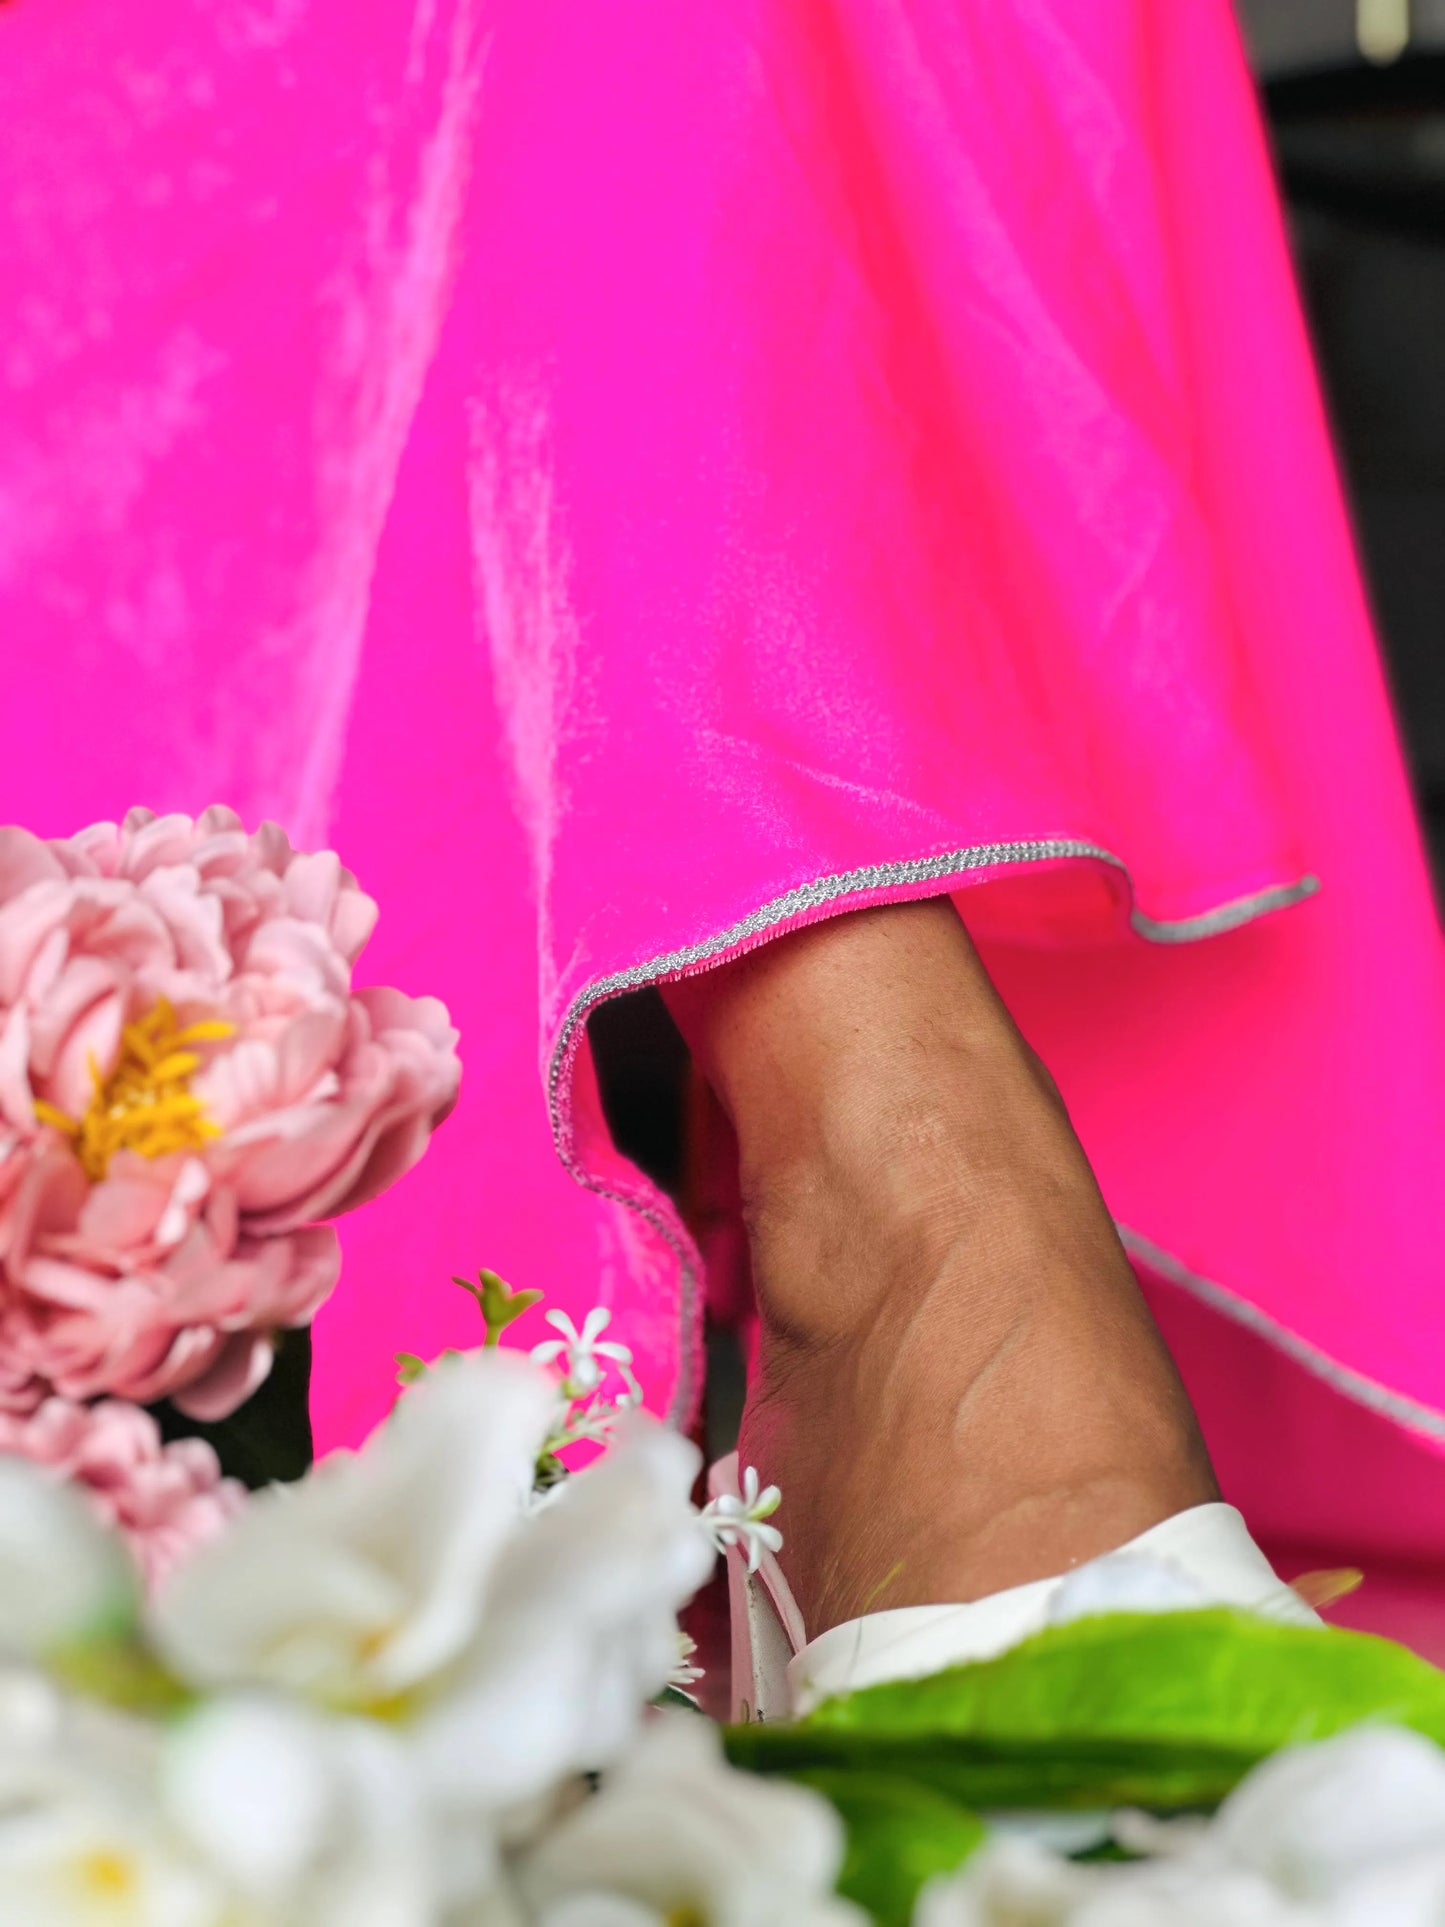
(593, 1423)
(582, 1353)
(685, 1673)
(741, 1519)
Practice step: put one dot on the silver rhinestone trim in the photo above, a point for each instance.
(1341, 1378)
(1228, 916)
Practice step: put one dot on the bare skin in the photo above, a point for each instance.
(959, 1385)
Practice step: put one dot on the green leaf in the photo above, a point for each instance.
(1162, 1710)
(900, 1834)
(675, 1697)
(500, 1305)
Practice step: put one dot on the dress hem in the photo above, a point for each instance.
(898, 882)
(1412, 1414)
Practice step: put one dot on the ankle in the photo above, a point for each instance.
(979, 1419)
(932, 1559)
(912, 1476)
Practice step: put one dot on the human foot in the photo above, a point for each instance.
(959, 1387)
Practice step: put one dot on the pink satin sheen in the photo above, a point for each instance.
(610, 471)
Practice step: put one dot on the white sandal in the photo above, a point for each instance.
(1206, 1555)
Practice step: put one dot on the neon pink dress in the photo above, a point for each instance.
(639, 477)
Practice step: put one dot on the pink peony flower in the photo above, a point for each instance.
(165, 1499)
(187, 1082)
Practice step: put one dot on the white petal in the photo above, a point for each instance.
(62, 1574)
(247, 1781)
(597, 1910)
(1008, 1880)
(676, 1829)
(371, 1573)
(582, 1627)
(1411, 1894)
(1313, 1818)
(79, 1818)
(313, 1819)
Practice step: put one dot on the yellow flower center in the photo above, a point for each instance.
(107, 1874)
(685, 1917)
(145, 1104)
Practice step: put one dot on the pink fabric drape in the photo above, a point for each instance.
(638, 477)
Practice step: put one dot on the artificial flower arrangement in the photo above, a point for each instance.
(440, 1682)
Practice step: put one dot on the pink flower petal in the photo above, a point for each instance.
(24, 860)
(27, 923)
(94, 1039)
(241, 1364)
(169, 1277)
(78, 986)
(165, 1499)
(16, 1097)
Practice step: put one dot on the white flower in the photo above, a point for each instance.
(580, 1630)
(581, 1351)
(311, 1821)
(83, 1839)
(733, 1520)
(360, 1584)
(63, 1576)
(594, 1423)
(508, 1647)
(1348, 1832)
(1318, 1820)
(1009, 1880)
(678, 1835)
(241, 1813)
(1177, 1894)
(1014, 1881)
